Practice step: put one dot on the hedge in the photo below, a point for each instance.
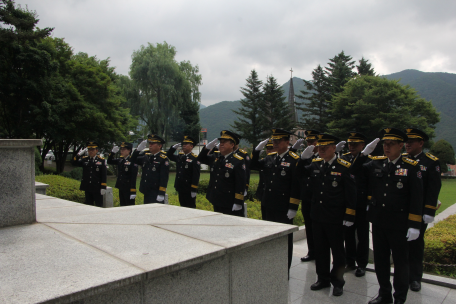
(440, 246)
(68, 189)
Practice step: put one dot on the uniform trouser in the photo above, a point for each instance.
(124, 198)
(329, 238)
(357, 254)
(416, 254)
(151, 197)
(229, 211)
(387, 241)
(280, 217)
(93, 198)
(186, 199)
(305, 209)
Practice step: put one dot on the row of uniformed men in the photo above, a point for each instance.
(326, 184)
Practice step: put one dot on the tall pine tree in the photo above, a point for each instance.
(365, 68)
(339, 71)
(316, 96)
(274, 108)
(248, 123)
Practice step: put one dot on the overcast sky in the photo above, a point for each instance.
(227, 39)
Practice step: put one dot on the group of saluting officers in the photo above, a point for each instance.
(340, 194)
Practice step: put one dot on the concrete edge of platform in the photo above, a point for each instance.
(300, 234)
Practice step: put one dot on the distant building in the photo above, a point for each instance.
(292, 101)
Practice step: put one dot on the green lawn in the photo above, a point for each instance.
(447, 194)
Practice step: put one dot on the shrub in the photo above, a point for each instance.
(440, 246)
(76, 173)
(62, 187)
(38, 162)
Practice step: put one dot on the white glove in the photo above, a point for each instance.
(212, 144)
(367, 208)
(176, 146)
(236, 207)
(160, 198)
(261, 152)
(218, 145)
(103, 191)
(82, 152)
(439, 203)
(427, 219)
(245, 193)
(308, 152)
(370, 147)
(348, 223)
(142, 145)
(115, 149)
(298, 144)
(413, 234)
(291, 214)
(340, 146)
(193, 194)
(261, 145)
(133, 196)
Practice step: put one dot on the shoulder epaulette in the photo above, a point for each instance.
(294, 155)
(432, 156)
(377, 157)
(194, 154)
(344, 162)
(237, 156)
(346, 153)
(163, 156)
(317, 159)
(242, 151)
(405, 154)
(272, 153)
(410, 161)
(100, 157)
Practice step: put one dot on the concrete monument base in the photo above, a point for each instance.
(142, 254)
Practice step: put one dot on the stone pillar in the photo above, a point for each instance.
(17, 181)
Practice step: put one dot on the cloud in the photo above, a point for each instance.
(227, 39)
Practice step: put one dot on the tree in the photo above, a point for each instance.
(339, 71)
(444, 151)
(365, 68)
(248, 123)
(25, 66)
(164, 86)
(274, 109)
(367, 104)
(318, 93)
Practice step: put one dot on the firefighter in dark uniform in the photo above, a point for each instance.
(357, 255)
(155, 169)
(333, 199)
(227, 181)
(280, 199)
(187, 172)
(395, 210)
(260, 189)
(311, 139)
(93, 174)
(126, 173)
(430, 170)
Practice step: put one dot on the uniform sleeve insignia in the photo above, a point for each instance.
(377, 157)
(243, 167)
(84, 156)
(346, 153)
(181, 153)
(294, 155)
(343, 163)
(216, 151)
(237, 156)
(418, 174)
(166, 163)
(198, 163)
(431, 156)
(272, 153)
(437, 168)
(410, 161)
(317, 159)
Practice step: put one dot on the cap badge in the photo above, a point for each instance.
(387, 130)
(353, 134)
(320, 136)
(409, 130)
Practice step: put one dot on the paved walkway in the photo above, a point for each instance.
(356, 290)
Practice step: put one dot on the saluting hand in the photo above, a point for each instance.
(340, 146)
(261, 145)
(177, 146)
(115, 149)
(212, 144)
(298, 144)
(307, 153)
(142, 145)
(82, 152)
(370, 147)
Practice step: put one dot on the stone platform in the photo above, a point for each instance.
(142, 254)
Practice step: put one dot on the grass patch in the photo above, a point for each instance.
(447, 194)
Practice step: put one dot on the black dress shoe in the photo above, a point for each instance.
(381, 300)
(415, 286)
(307, 258)
(338, 291)
(319, 285)
(360, 272)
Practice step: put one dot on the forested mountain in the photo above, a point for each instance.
(440, 88)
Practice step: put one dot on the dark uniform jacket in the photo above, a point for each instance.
(127, 172)
(281, 189)
(155, 171)
(430, 170)
(227, 181)
(333, 191)
(397, 195)
(93, 173)
(187, 170)
(242, 153)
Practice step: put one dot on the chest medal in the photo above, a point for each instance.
(126, 169)
(154, 169)
(283, 173)
(334, 184)
(227, 175)
(400, 185)
(186, 166)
